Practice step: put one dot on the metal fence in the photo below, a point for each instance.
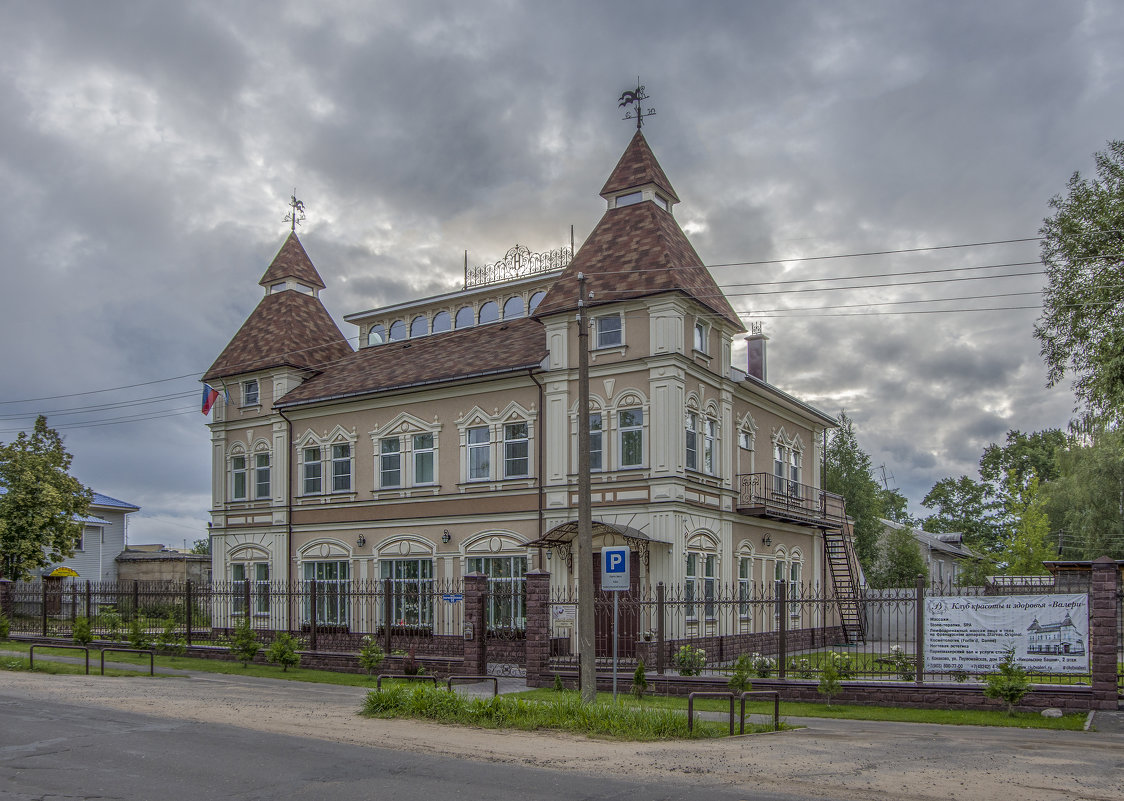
(426, 616)
(779, 631)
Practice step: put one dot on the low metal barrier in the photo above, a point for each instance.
(404, 676)
(691, 707)
(776, 707)
(31, 653)
(475, 680)
(151, 657)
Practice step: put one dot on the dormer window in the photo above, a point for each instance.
(629, 199)
(661, 201)
(277, 287)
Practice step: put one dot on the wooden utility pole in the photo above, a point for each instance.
(586, 642)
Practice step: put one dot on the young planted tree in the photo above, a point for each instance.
(1010, 684)
(41, 502)
(283, 651)
(244, 642)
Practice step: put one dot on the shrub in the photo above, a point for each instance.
(843, 663)
(763, 666)
(81, 631)
(1010, 684)
(170, 640)
(138, 637)
(690, 660)
(800, 668)
(558, 685)
(5, 626)
(244, 642)
(410, 663)
(739, 679)
(370, 655)
(283, 651)
(639, 681)
(904, 664)
(829, 681)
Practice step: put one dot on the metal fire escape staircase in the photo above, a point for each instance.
(839, 549)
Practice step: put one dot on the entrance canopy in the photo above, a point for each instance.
(563, 536)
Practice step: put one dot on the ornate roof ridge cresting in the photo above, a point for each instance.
(518, 262)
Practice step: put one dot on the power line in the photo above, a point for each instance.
(876, 253)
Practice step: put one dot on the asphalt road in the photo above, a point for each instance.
(54, 751)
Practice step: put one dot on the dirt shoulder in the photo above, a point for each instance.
(838, 759)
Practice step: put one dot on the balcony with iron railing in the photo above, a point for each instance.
(775, 498)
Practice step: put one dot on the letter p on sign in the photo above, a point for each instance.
(615, 573)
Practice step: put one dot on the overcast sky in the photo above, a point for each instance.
(148, 150)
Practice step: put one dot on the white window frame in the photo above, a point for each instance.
(312, 462)
(237, 472)
(418, 454)
(691, 426)
(251, 392)
(514, 579)
(263, 475)
(334, 589)
(387, 457)
(419, 589)
(631, 429)
(607, 337)
(478, 446)
(343, 467)
(701, 338)
(596, 442)
(511, 445)
(259, 587)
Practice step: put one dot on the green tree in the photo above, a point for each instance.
(1081, 329)
(895, 507)
(1086, 502)
(202, 547)
(965, 506)
(1028, 543)
(41, 502)
(899, 561)
(847, 472)
(1022, 454)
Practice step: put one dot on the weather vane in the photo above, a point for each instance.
(296, 216)
(635, 97)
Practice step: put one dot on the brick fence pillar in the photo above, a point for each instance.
(538, 627)
(475, 624)
(1103, 607)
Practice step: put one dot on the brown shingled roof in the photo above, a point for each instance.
(637, 251)
(291, 261)
(287, 328)
(484, 350)
(637, 166)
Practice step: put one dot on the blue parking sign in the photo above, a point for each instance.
(615, 568)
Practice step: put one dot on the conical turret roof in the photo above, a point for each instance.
(292, 261)
(637, 167)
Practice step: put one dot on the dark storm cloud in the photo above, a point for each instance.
(150, 150)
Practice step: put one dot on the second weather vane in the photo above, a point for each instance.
(296, 216)
(636, 98)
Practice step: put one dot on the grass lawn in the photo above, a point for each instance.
(957, 717)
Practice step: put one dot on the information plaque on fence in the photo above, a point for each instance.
(1050, 633)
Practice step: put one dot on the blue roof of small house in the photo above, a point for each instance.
(105, 500)
(93, 521)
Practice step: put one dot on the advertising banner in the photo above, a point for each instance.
(1050, 633)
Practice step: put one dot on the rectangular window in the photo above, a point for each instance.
(238, 478)
(507, 603)
(700, 338)
(794, 588)
(479, 454)
(423, 459)
(261, 475)
(250, 393)
(794, 470)
(745, 440)
(710, 584)
(516, 450)
(778, 468)
(609, 333)
(411, 594)
(258, 574)
(631, 423)
(341, 468)
(710, 439)
(390, 462)
(692, 441)
(331, 592)
(690, 587)
(779, 574)
(595, 447)
(745, 583)
(313, 472)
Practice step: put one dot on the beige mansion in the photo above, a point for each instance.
(447, 443)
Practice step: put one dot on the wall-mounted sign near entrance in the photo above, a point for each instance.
(615, 573)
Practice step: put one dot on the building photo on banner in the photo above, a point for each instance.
(1048, 633)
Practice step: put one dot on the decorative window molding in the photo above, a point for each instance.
(326, 464)
(238, 466)
(788, 457)
(406, 451)
(496, 447)
(261, 471)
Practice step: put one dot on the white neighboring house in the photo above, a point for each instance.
(945, 554)
(103, 538)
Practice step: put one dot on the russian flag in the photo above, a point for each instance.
(210, 395)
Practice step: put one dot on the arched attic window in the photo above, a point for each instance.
(419, 327)
(442, 322)
(466, 318)
(513, 308)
